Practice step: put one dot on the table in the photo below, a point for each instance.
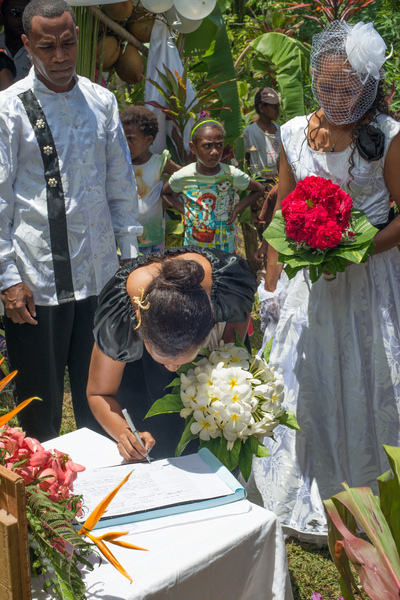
(231, 552)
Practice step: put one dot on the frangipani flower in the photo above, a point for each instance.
(204, 425)
(231, 395)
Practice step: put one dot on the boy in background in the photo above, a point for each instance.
(262, 137)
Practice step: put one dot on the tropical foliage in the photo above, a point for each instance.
(376, 560)
(177, 106)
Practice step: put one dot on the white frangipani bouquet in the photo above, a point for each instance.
(231, 401)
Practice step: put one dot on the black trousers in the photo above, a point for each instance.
(63, 337)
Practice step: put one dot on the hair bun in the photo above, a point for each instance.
(183, 275)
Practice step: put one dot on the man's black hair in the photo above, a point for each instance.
(49, 9)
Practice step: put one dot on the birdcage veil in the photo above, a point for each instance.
(346, 62)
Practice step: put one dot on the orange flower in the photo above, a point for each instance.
(5, 418)
(111, 536)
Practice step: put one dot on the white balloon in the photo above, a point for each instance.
(194, 9)
(157, 6)
(179, 23)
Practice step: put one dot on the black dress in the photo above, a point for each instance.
(144, 380)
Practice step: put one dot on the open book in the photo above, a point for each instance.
(164, 487)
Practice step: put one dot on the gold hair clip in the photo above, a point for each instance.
(141, 305)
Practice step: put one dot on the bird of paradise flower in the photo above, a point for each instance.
(97, 513)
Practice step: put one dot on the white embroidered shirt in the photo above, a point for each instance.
(97, 179)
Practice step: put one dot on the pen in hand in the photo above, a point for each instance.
(135, 432)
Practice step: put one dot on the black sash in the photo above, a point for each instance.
(55, 197)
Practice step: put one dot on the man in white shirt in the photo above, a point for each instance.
(66, 189)
(10, 40)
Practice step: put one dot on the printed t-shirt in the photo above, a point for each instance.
(208, 203)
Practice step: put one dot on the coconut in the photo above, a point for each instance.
(111, 51)
(119, 11)
(141, 28)
(129, 66)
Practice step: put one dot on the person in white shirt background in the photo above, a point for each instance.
(10, 40)
(262, 137)
(67, 190)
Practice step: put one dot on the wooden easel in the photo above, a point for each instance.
(15, 581)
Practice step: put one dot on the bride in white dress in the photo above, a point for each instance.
(337, 343)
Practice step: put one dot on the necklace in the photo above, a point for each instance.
(340, 135)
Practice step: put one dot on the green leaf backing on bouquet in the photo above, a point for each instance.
(288, 418)
(389, 492)
(185, 368)
(176, 381)
(267, 350)
(212, 444)
(257, 447)
(245, 460)
(170, 403)
(238, 341)
(333, 260)
(229, 458)
(186, 437)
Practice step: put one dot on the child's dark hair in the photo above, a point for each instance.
(141, 117)
(199, 128)
(180, 314)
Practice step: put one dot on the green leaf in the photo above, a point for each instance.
(245, 460)
(290, 60)
(267, 350)
(212, 444)
(211, 42)
(206, 352)
(389, 492)
(377, 563)
(185, 368)
(174, 227)
(175, 382)
(238, 341)
(187, 436)
(229, 458)
(288, 418)
(291, 271)
(257, 447)
(335, 543)
(364, 506)
(170, 403)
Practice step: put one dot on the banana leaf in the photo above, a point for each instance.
(211, 43)
(290, 60)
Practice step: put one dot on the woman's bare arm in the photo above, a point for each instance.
(105, 377)
(287, 184)
(229, 331)
(390, 236)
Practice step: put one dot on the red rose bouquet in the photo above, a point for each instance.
(318, 228)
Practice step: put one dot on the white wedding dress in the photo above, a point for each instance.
(337, 346)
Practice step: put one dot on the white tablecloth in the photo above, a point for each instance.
(231, 552)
